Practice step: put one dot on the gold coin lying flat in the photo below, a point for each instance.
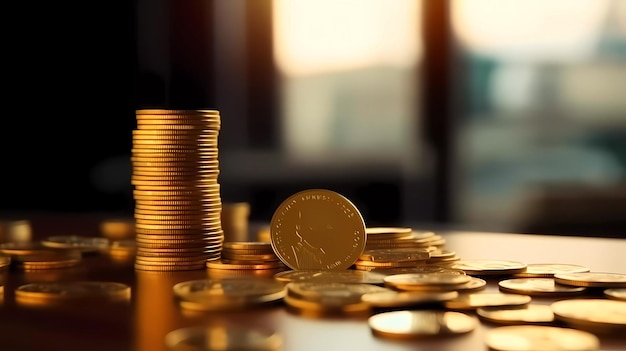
(487, 299)
(592, 279)
(531, 314)
(345, 276)
(538, 337)
(395, 255)
(418, 281)
(416, 324)
(490, 267)
(5, 261)
(78, 242)
(395, 299)
(547, 270)
(211, 338)
(538, 287)
(317, 229)
(617, 294)
(599, 315)
(73, 290)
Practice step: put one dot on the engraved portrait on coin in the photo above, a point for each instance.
(317, 229)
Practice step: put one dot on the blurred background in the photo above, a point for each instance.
(497, 115)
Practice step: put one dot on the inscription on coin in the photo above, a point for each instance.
(317, 229)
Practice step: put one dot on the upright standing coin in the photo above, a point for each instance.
(317, 229)
(539, 337)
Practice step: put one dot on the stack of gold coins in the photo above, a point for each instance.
(176, 189)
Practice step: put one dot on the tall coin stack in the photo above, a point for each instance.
(176, 189)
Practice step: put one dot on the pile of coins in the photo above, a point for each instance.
(176, 189)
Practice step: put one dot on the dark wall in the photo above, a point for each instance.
(68, 102)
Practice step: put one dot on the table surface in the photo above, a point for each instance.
(142, 323)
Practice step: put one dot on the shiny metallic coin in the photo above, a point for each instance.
(165, 112)
(247, 245)
(538, 287)
(539, 337)
(392, 298)
(318, 229)
(222, 338)
(547, 270)
(28, 248)
(395, 255)
(5, 261)
(117, 228)
(592, 279)
(487, 299)
(419, 324)
(241, 265)
(421, 270)
(617, 294)
(490, 267)
(168, 268)
(231, 288)
(345, 276)
(74, 290)
(374, 233)
(78, 242)
(531, 314)
(422, 281)
(326, 307)
(475, 284)
(342, 292)
(600, 316)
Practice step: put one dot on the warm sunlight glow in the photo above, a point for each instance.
(530, 29)
(330, 35)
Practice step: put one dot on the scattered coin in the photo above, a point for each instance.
(538, 287)
(78, 242)
(416, 324)
(548, 270)
(222, 338)
(317, 229)
(394, 298)
(345, 276)
(617, 294)
(531, 314)
(53, 292)
(489, 267)
(600, 316)
(592, 279)
(538, 337)
(487, 299)
(425, 282)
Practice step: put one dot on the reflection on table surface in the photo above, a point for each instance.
(142, 323)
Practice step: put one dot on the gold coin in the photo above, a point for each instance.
(548, 270)
(487, 299)
(240, 265)
(117, 228)
(420, 269)
(539, 337)
(5, 261)
(231, 288)
(317, 229)
(531, 314)
(490, 267)
(395, 255)
(394, 299)
(475, 284)
(326, 307)
(599, 315)
(223, 338)
(26, 248)
(345, 276)
(421, 281)
(417, 324)
(168, 268)
(592, 279)
(343, 293)
(617, 294)
(162, 111)
(78, 242)
(247, 245)
(74, 290)
(538, 287)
